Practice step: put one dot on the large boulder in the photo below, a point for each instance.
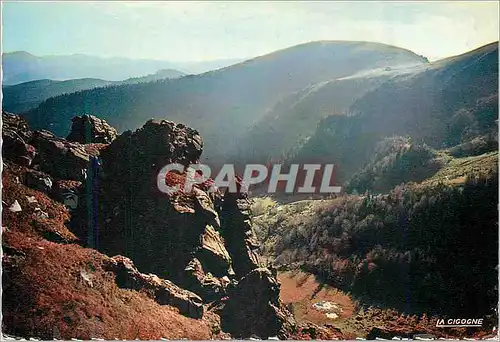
(58, 157)
(88, 129)
(254, 307)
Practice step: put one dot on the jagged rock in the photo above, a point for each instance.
(40, 214)
(16, 123)
(207, 286)
(15, 207)
(162, 291)
(58, 157)
(170, 229)
(90, 129)
(254, 307)
(37, 180)
(213, 254)
(238, 233)
(16, 135)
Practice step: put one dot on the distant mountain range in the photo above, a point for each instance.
(24, 96)
(326, 100)
(225, 104)
(21, 66)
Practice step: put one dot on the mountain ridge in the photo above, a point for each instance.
(24, 96)
(224, 103)
(22, 66)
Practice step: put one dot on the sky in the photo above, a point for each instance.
(200, 31)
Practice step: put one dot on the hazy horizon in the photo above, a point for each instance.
(218, 59)
(241, 30)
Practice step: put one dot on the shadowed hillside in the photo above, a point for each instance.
(223, 104)
(451, 102)
(28, 95)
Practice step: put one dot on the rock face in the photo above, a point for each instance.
(238, 233)
(161, 233)
(58, 157)
(43, 151)
(206, 285)
(16, 135)
(180, 236)
(90, 129)
(256, 299)
(162, 291)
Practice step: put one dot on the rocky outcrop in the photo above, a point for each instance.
(36, 215)
(180, 235)
(237, 230)
(16, 135)
(161, 233)
(43, 151)
(37, 180)
(254, 307)
(209, 287)
(162, 291)
(213, 253)
(88, 129)
(201, 242)
(58, 157)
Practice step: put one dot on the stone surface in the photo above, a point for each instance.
(58, 157)
(16, 136)
(88, 129)
(254, 307)
(162, 291)
(161, 233)
(238, 233)
(206, 285)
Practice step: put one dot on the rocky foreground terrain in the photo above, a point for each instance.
(93, 250)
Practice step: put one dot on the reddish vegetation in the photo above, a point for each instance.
(65, 291)
(301, 290)
(24, 221)
(75, 297)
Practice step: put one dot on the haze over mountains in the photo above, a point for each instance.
(269, 107)
(445, 104)
(21, 66)
(223, 104)
(24, 96)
